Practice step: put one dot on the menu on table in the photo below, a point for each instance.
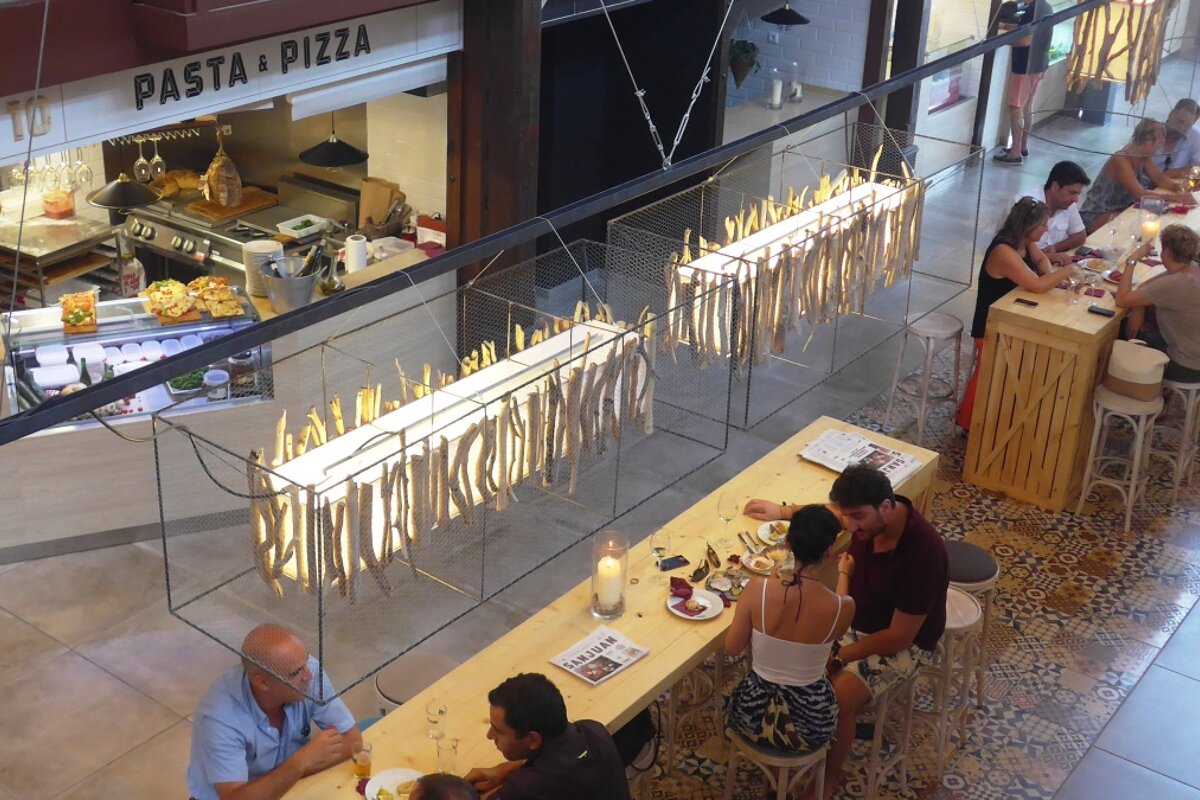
(839, 449)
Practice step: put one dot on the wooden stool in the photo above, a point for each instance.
(896, 701)
(951, 672)
(1182, 456)
(935, 331)
(701, 690)
(975, 571)
(1131, 482)
(408, 676)
(765, 757)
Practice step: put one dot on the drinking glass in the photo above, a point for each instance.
(435, 715)
(158, 165)
(1074, 281)
(362, 760)
(141, 167)
(66, 175)
(447, 755)
(83, 173)
(49, 175)
(660, 548)
(728, 507)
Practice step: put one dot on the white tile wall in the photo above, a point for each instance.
(406, 137)
(90, 154)
(829, 51)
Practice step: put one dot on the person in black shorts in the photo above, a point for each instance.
(1030, 58)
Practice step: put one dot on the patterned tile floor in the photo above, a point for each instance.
(1082, 610)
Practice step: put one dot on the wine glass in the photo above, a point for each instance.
(66, 175)
(435, 715)
(49, 175)
(83, 173)
(141, 167)
(1074, 281)
(660, 548)
(158, 166)
(728, 508)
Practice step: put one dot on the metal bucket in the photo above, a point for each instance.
(288, 294)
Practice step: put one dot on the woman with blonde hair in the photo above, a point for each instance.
(1012, 260)
(1128, 175)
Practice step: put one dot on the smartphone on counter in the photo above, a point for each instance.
(1021, 301)
(674, 562)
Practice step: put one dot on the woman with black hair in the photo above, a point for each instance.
(791, 623)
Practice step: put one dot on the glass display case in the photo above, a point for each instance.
(43, 361)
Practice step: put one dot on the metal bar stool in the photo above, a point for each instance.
(976, 572)
(1107, 406)
(408, 676)
(1182, 456)
(951, 672)
(935, 331)
(765, 757)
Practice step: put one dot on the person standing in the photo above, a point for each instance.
(1065, 229)
(1030, 58)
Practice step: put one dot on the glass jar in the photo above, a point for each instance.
(610, 569)
(241, 374)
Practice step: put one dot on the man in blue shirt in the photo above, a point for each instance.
(257, 731)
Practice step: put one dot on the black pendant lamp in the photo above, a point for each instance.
(333, 152)
(123, 193)
(785, 17)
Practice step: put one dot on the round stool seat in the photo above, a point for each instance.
(410, 674)
(970, 563)
(773, 756)
(1181, 385)
(962, 611)
(1111, 401)
(936, 325)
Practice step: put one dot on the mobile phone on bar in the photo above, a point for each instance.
(674, 562)
(1024, 302)
(1104, 312)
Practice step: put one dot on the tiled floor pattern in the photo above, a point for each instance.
(1081, 613)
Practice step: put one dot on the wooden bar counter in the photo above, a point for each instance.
(1032, 422)
(676, 645)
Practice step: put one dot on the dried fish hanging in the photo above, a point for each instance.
(856, 231)
(387, 512)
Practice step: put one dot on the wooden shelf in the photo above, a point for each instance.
(62, 271)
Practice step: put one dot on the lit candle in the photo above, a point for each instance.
(1150, 228)
(608, 582)
(777, 93)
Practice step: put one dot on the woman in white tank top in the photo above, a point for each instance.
(791, 622)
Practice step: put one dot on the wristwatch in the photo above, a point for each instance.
(836, 664)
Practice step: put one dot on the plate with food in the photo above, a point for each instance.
(760, 563)
(772, 533)
(186, 384)
(728, 583)
(702, 605)
(1112, 275)
(1095, 265)
(392, 784)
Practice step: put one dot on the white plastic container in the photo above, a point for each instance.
(190, 340)
(152, 350)
(93, 352)
(289, 228)
(171, 347)
(55, 377)
(113, 356)
(132, 351)
(216, 384)
(51, 355)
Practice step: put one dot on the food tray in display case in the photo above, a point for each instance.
(127, 336)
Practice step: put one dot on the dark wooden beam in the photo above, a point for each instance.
(874, 71)
(985, 79)
(908, 51)
(492, 137)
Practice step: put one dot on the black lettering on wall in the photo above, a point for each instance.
(214, 64)
(323, 40)
(237, 70)
(170, 89)
(143, 88)
(288, 53)
(361, 43)
(193, 79)
(343, 38)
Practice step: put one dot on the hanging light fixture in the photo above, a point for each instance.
(333, 152)
(1119, 42)
(785, 17)
(124, 193)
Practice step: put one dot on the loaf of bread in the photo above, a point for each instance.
(222, 184)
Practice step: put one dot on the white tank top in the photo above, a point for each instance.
(788, 663)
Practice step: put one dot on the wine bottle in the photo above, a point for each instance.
(84, 376)
(311, 260)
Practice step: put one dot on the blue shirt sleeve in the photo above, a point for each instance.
(221, 753)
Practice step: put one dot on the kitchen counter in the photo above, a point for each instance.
(48, 240)
(352, 279)
(747, 118)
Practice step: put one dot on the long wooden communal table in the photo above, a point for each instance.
(676, 645)
(1032, 422)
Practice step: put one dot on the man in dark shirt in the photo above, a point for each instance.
(548, 757)
(1030, 58)
(898, 571)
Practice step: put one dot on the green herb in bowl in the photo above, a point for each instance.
(302, 224)
(189, 381)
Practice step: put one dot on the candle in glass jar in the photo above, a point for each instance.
(608, 582)
(777, 93)
(1150, 228)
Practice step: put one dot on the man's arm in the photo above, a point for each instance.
(892, 639)
(323, 750)
(1060, 252)
(489, 779)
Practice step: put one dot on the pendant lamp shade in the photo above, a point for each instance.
(785, 17)
(333, 152)
(1120, 42)
(123, 193)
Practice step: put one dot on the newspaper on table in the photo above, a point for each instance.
(598, 657)
(839, 449)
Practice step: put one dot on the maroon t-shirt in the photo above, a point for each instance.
(911, 578)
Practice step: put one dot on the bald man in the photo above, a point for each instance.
(257, 732)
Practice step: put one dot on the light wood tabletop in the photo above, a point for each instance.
(676, 645)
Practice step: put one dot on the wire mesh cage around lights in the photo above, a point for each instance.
(371, 542)
(803, 264)
(1120, 42)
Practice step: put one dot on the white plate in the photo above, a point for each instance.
(389, 779)
(1111, 275)
(713, 606)
(767, 536)
(748, 556)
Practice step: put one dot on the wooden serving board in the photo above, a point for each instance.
(253, 199)
(69, 329)
(191, 316)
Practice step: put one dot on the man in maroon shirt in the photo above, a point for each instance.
(899, 573)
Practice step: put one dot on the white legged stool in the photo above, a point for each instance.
(766, 757)
(690, 694)
(951, 672)
(893, 715)
(407, 676)
(1182, 456)
(1130, 480)
(935, 331)
(976, 572)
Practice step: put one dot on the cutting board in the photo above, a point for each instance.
(253, 199)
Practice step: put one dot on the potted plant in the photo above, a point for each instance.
(743, 59)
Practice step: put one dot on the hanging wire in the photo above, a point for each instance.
(640, 93)
(37, 88)
(571, 256)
